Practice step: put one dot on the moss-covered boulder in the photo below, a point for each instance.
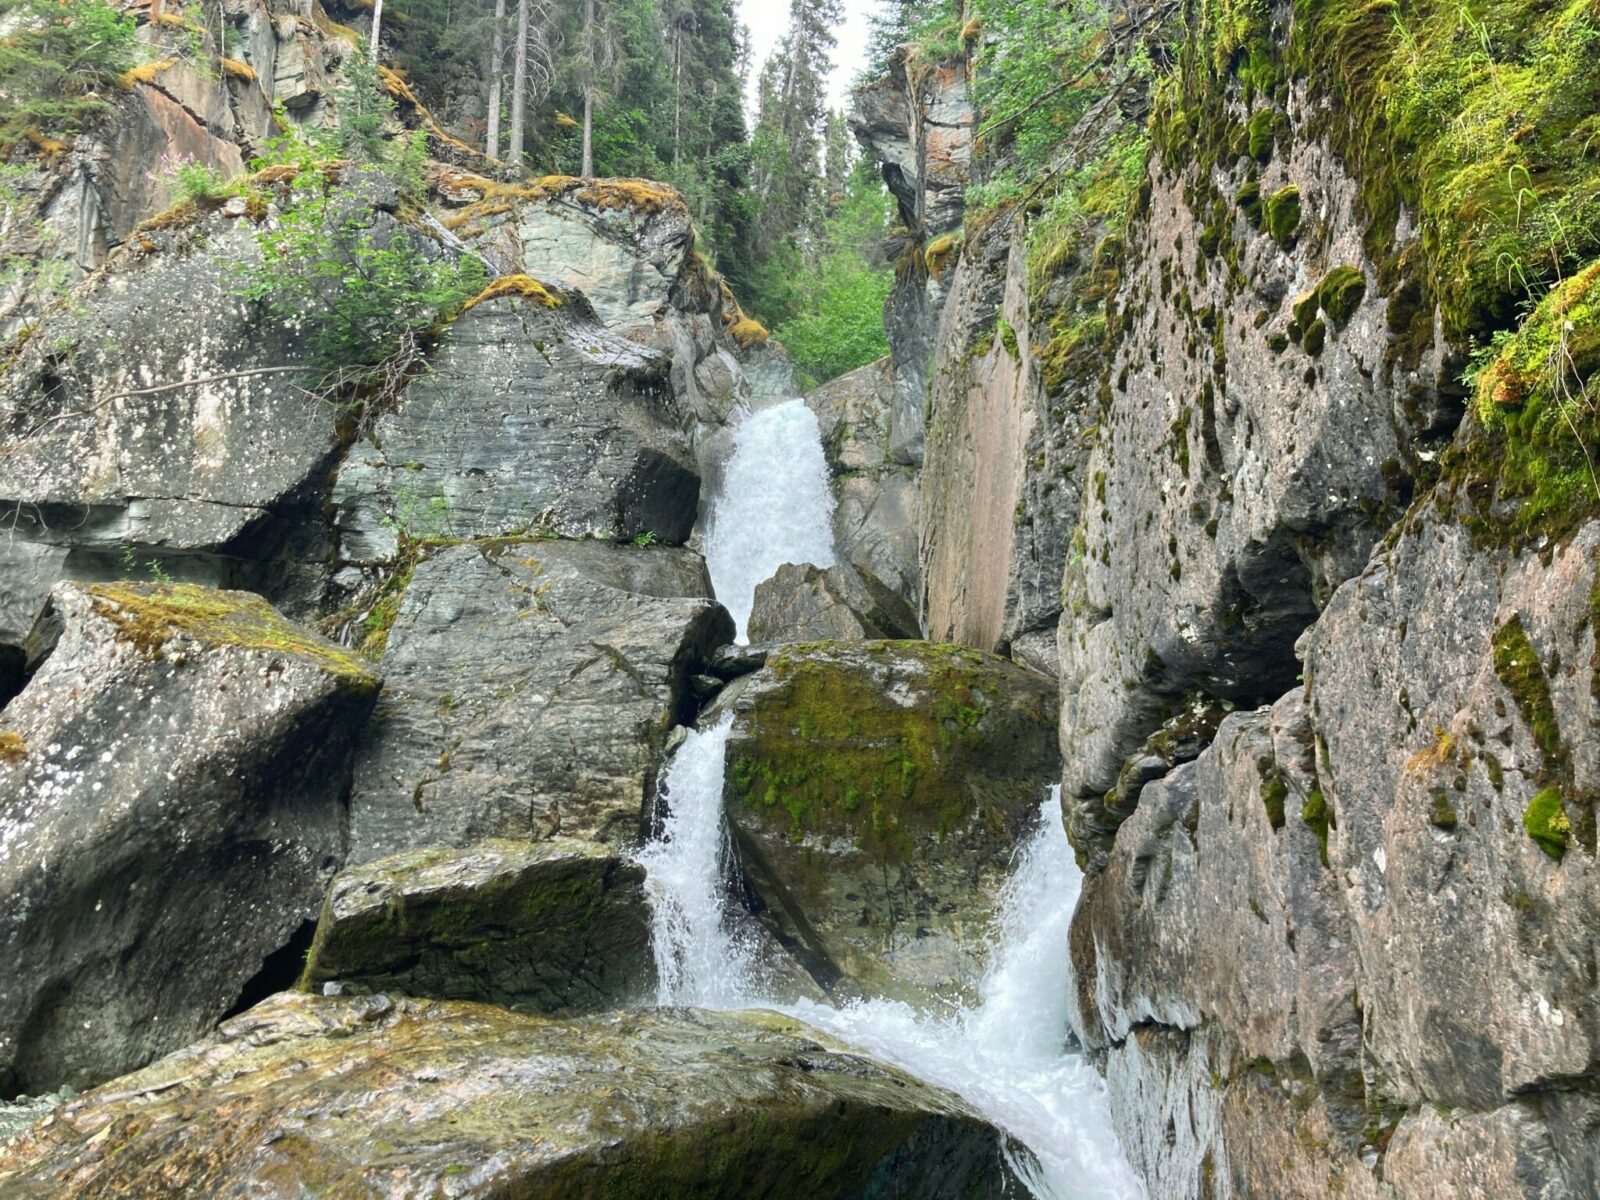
(367, 1098)
(172, 786)
(877, 791)
(551, 927)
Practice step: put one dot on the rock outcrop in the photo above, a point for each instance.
(877, 792)
(172, 787)
(876, 498)
(553, 927)
(377, 1098)
(805, 603)
(530, 689)
(918, 121)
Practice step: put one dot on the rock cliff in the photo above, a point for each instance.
(1300, 485)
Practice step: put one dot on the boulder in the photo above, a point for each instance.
(877, 793)
(533, 418)
(875, 517)
(552, 927)
(806, 603)
(111, 458)
(531, 687)
(372, 1098)
(172, 786)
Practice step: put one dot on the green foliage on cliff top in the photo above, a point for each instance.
(1527, 470)
(57, 59)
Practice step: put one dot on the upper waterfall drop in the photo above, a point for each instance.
(775, 506)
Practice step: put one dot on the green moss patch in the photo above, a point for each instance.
(1318, 817)
(1340, 293)
(1281, 215)
(1517, 664)
(1545, 820)
(836, 756)
(149, 617)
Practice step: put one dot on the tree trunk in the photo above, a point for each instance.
(497, 65)
(377, 26)
(677, 90)
(591, 50)
(519, 84)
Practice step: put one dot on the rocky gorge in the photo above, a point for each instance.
(1138, 738)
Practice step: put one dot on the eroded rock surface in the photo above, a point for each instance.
(531, 687)
(172, 787)
(805, 603)
(552, 927)
(877, 792)
(374, 1097)
(876, 497)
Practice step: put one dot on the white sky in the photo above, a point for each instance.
(768, 19)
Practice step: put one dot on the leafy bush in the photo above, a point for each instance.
(362, 288)
(56, 53)
(830, 313)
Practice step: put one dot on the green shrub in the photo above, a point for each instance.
(363, 289)
(57, 58)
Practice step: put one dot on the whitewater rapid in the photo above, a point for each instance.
(1008, 1054)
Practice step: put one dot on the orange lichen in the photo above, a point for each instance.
(480, 211)
(235, 69)
(516, 285)
(639, 195)
(12, 748)
(748, 332)
(47, 145)
(274, 175)
(170, 20)
(145, 72)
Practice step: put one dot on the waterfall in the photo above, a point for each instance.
(700, 959)
(775, 507)
(1008, 1055)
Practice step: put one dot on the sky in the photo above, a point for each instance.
(769, 18)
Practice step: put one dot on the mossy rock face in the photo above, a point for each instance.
(877, 791)
(370, 1097)
(551, 927)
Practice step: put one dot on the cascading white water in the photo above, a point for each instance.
(700, 959)
(1007, 1056)
(775, 506)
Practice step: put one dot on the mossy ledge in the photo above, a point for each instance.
(149, 616)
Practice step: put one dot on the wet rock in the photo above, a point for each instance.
(172, 789)
(805, 603)
(378, 1098)
(875, 517)
(877, 792)
(531, 687)
(554, 927)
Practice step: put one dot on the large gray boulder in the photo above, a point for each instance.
(375, 1098)
(532, 418)
(172, 787)
(531, 687)
(806, 603)
(553, 927)
(111, 456)
(877, 793)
